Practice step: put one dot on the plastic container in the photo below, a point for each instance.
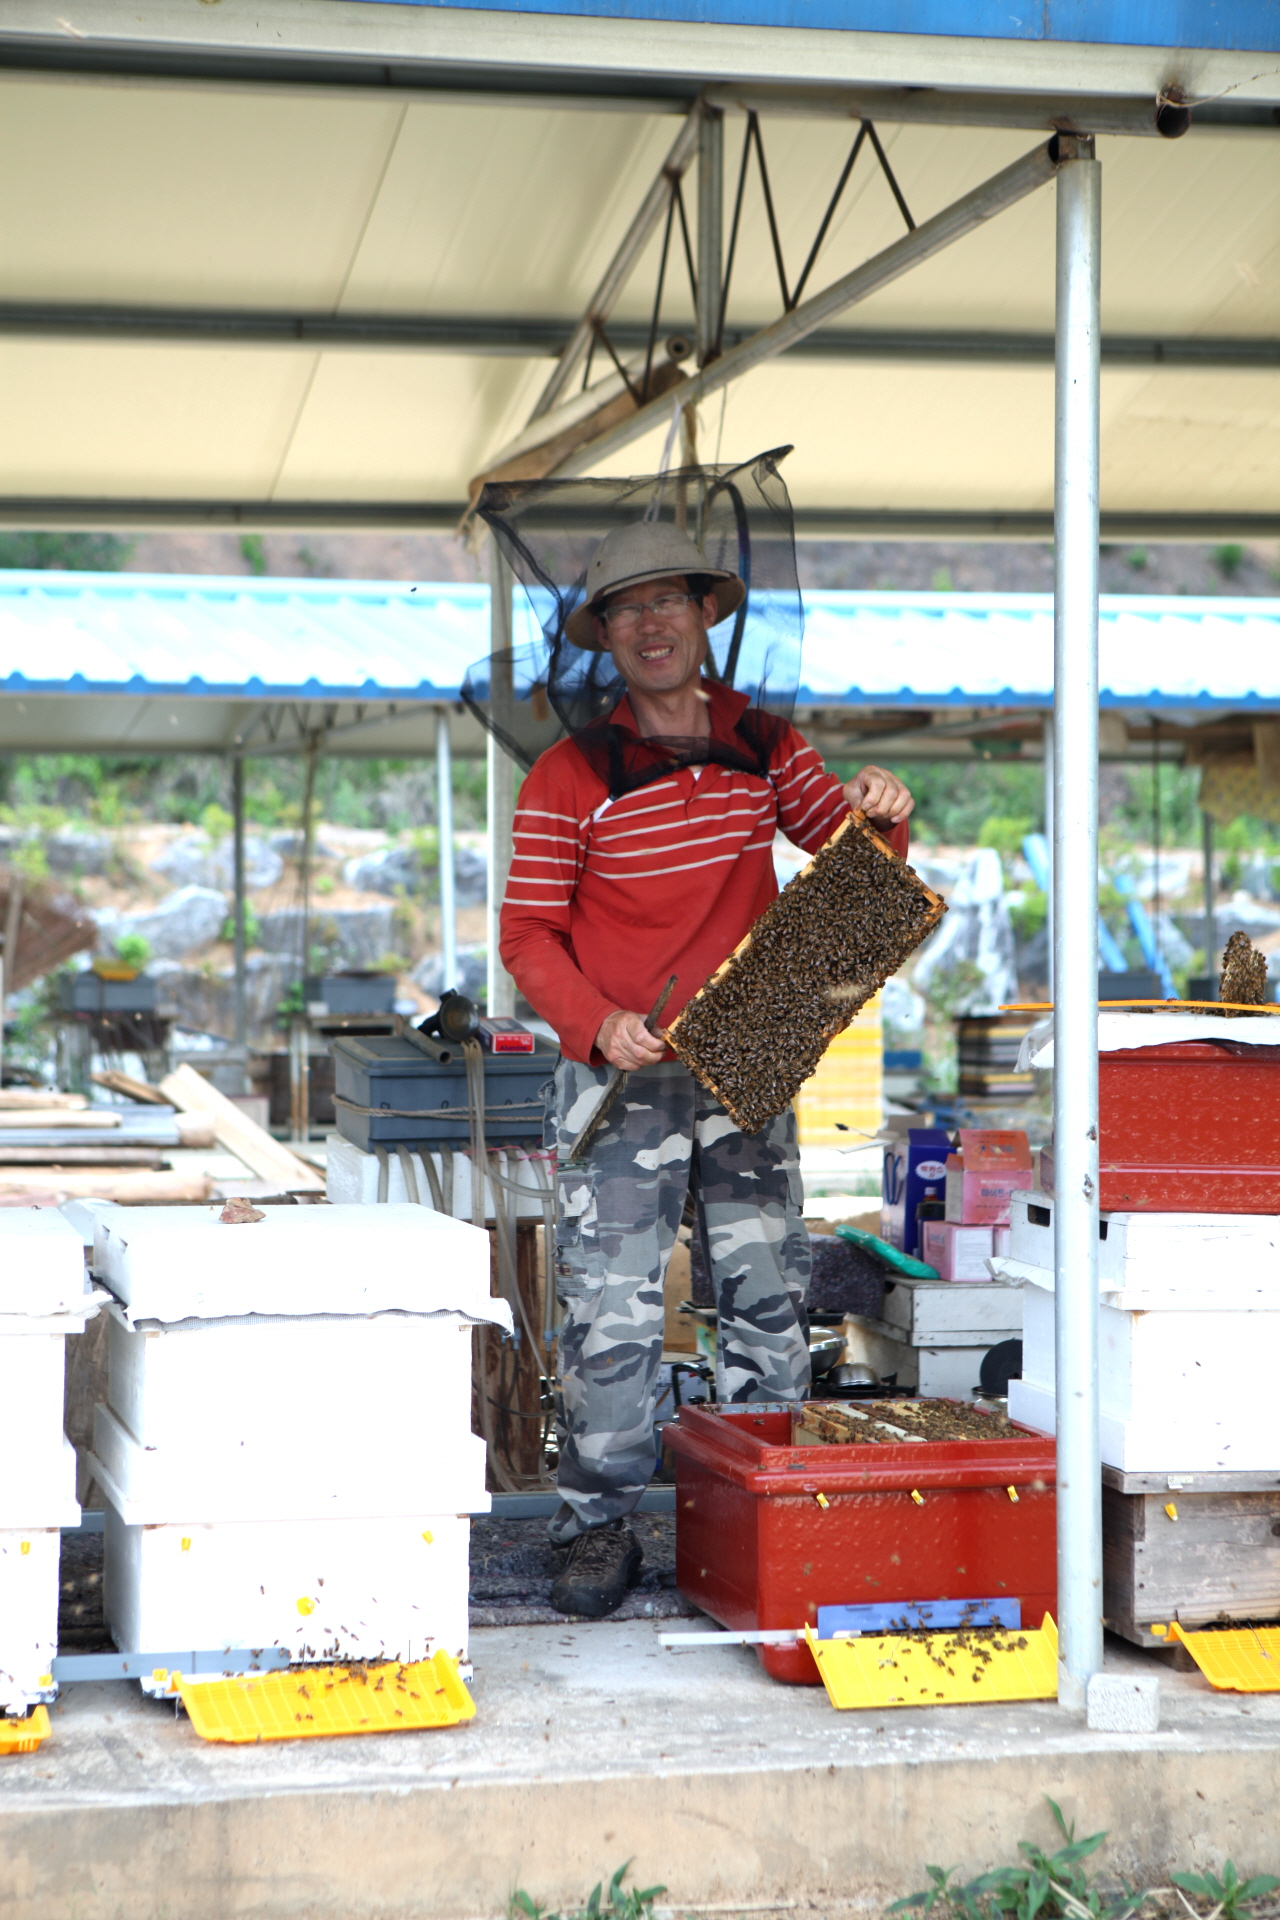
(338, 993)
(323, 1590)
(1190, 1127)
(757, 1548)
(418, 1099)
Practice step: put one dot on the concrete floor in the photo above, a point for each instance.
(591, 1746)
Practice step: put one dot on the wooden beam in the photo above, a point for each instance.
(269, 1159)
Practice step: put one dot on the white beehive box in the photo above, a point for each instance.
(181, 1263)
(42, 1267)
(392, 1589)
(1180, 1389)
(29, 1559)
(1156, 1259)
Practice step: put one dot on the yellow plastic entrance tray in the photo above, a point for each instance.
(24, 1736)
(938, 1669)
(307, 1703)
(1235, 1659)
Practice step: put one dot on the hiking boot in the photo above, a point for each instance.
(598, 1567)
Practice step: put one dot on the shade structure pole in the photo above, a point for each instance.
(241, 1008)
(710, 235)
(1210, 918)
(444, 831)
(1075, 925)
(502, 775)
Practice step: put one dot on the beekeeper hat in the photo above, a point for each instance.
(645, 550)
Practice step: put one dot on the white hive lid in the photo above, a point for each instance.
(182, 1263)
(41, 1262)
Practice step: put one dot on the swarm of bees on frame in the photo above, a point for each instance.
(756, 1031)
(1243, 981)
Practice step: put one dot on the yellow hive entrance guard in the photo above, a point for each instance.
(1235, 1659)
(24, 1736)
(306, 1703)
(938, 1669)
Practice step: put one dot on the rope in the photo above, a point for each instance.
(517, 1109)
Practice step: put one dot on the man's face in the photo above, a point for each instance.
(658, 652)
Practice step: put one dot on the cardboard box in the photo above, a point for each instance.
(957, 1252)
(981, 1179)
(915, 1169)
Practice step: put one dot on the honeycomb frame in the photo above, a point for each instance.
(755, 1032)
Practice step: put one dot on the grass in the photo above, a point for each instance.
(1057, 1886)
(614, 1903)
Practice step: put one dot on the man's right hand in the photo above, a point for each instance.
(626, 1042)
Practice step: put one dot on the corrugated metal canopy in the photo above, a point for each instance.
(162, 663)
(381, 206)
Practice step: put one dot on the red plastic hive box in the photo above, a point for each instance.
(1192, 1127)
(756, 1548)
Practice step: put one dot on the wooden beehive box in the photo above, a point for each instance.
(1214, 1557)
(847, 921)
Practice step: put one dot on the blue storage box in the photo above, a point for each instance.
(398, 1093)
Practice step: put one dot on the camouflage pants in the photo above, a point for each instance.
(618, 1215)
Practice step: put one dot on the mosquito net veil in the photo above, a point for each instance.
(546, 688)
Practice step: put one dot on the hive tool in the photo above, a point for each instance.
(617, 1080)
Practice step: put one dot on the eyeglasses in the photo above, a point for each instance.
(666, 606)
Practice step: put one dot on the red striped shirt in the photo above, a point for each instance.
(607, 898)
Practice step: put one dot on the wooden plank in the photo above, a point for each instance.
(130, 1187)
(31, 1098)
(132, 1089)
(89, 1156)
(269, 1159)
(1176, 1483)
(87, 1117)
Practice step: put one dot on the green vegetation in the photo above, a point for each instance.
(619, 1903)
(70, 552)
(253, 553)
(1136, 558)
(1006, 834)
(133, 950)
(1057, 1886)
(252, 928)
(1227, 559)
(46, 790)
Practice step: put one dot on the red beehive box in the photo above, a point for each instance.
(755, 1547)
(1191, 1127)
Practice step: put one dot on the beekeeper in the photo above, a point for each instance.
(644, 848)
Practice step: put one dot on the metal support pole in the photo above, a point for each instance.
(238, 916)
(1210, 917)
(1048, 832)
(502, 772)
(1075, 932)
(710, 231)
(444, 831)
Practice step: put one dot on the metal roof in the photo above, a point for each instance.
(162, 663)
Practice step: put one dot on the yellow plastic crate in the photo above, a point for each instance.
(847, 1086)
(1235, 1659)
(24, 1736)
(938, 1669)
(308, 1703)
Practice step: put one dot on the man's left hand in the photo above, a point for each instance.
(882, 797)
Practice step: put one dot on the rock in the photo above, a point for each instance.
(974, 943)
(205, 1001)
(79, 850)
(387, 870)
(348, 936)
(289, 846)
(472, 974)
(192, 861)
(190, 919)
(395, 868)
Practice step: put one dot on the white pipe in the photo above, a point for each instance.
(1075, 930)
(1048, 831)
(444, 835)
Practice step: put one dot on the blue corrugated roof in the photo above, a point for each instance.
(274, 639)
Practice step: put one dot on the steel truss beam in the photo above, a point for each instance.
(1004, 189)
(129, 515)
(510, 336)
